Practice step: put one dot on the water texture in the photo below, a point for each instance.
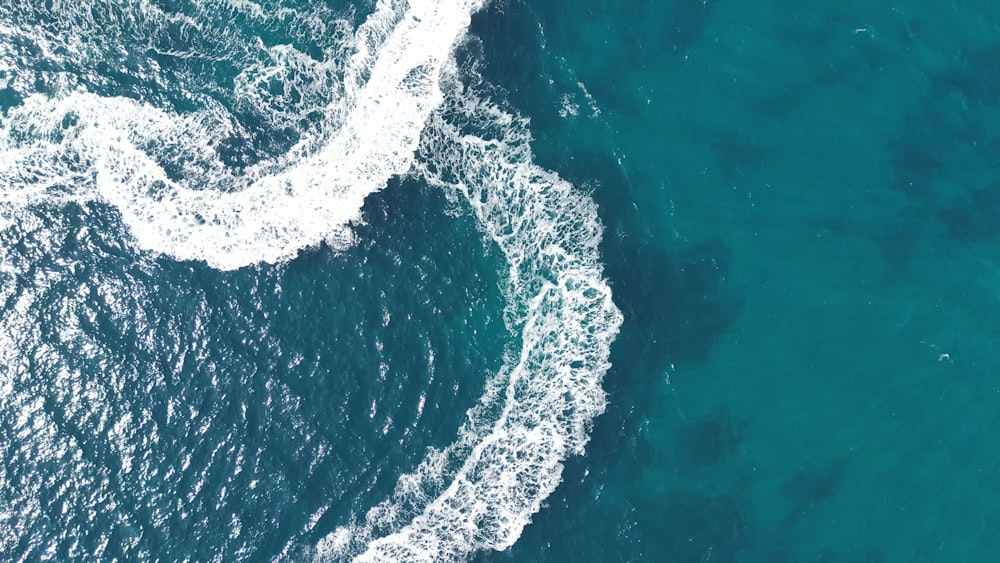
(418, 280)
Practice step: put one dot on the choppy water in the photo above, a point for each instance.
(307, 279)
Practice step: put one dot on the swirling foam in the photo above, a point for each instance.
(391, 86)
(399, 92)
(481, 491)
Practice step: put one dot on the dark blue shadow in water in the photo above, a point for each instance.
(677, 303)
(708, 440)
(975, 215)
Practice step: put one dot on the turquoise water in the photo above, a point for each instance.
(801, 215)
(800, 218)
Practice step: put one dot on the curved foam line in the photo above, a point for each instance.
(481, 491)
(503, 466)
(392, 86)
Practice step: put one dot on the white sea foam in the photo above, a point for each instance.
(482, 490)
(398, 91)
(307, 197)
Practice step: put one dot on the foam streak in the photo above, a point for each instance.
(392, 86)
(400, 96)
(501, 468)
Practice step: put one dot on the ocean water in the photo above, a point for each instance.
(418, 280)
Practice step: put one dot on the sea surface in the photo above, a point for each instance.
(680, 281)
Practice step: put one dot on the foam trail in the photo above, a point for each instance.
(400, 92)
(482, 490)
(391, 87)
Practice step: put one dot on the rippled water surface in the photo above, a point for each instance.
(304, 279)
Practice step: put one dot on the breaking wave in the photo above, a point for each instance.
(193, 208)
(189, 180)
(482, 490)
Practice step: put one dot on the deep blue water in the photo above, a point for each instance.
(800, 207)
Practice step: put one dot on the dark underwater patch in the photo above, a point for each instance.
(685, 23)
(898, 239)
(737, 156)
(692, 527)
(949, 125)
(945, 145)
(976, 77)
(915, 159)
(688, 303)
(677, 303)
(974, 216)
(809, 487)
(793, 541)
(708, 440)
(835, 63)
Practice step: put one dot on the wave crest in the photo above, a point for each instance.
(194, 207)
(481, 491)
(171, 173)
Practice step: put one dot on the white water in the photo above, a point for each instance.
(549, 394)
(310, 196)
(397, 92)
